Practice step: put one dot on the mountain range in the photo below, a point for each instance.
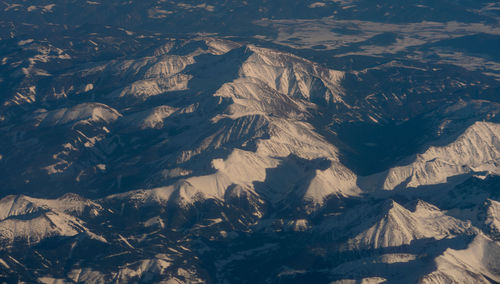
(263, 142)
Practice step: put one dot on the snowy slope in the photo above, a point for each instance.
(478, 263)
(476, 150)
(398, 226)
(31, 220)
(86, 112)
(271, 98)
(206, 160)
(492, 220)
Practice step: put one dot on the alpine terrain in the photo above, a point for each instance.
(338, 141)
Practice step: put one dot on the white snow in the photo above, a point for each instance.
(399, 226)
(91, 112)
(149, 119)
(88, 87)
(51, 280)
(292, 75)
(153, 87)
(125, 241)
(47, 218)
(271, 97)
(141, 268)
(4, 264)
(470, 265)
(87, 275)
(493, 217)
(24, 42)
(33, 230)
(317, 5)
(476, 150)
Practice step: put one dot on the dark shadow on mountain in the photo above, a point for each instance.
(461, 191)
(137, 154)
(294, 257)
(210, 72)
(370, 148)
(285, 186)
(409, 272)
(282, 192)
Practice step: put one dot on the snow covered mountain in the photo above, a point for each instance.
(305, 148)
